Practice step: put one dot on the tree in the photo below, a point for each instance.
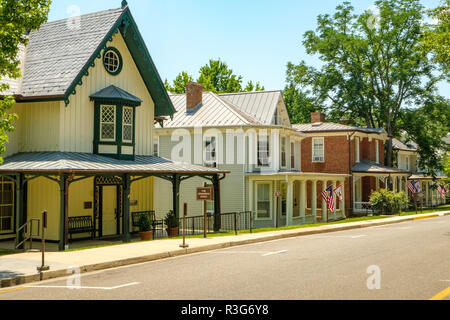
(373, 67)
(437, 36)
(215, 76)
(299, 105)
(17, 18)
(179, 84)
(427, 126)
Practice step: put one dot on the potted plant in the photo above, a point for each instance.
(145, 227)
(172, 224)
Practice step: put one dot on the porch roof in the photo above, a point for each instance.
(373, 167)
(418, 176)
(87, 163)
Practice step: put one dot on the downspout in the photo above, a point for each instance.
(350, 184)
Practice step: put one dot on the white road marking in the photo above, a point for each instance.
(92, 288)
(237, 252)
(274, 253)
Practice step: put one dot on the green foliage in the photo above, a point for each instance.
(447, 167)
(17, 18)
(370, 71)
(171, 220)
(427, 126)
(145, 224)
(216, 77)
(437, 35)
(388, 202)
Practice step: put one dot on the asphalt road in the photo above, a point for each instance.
(413, 260)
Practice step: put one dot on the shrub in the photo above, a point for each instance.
(171, 220)
(145, 224)
(388, 202)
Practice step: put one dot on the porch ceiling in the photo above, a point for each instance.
(86, 163)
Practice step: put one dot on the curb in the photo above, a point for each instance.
(4, 283)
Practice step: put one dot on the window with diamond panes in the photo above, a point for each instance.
(127, 119)
(111, 61)
(108, 123)
(6, 205)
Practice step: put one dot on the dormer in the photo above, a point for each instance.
(114, 122)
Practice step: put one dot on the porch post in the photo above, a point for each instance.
(62, 212)
(394, 183)
(217, 213)
(19, 207)
(324, 204)
(303, 203)
(354, 194)
(314, 200)
(427, 193)
(334, 199)
(176, 195)
(290, 203)
(377, 183)
(342, 204)
(126, 207)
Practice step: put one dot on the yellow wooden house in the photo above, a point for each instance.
(87, 102)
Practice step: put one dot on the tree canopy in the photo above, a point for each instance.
(216, 77)
(374, 66)
(17, 19)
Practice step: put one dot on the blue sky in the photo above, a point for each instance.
(256, 38)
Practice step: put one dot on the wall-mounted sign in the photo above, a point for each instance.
(205, 194)
(133, 203)
(88, 205)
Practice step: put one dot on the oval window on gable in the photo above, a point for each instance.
(112, 60)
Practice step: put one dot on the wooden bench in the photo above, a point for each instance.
(83, 224)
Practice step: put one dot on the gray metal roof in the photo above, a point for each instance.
(260, 104)
(57, 162)
(214, 111)
(114, 93)
(398, 145)
(373, 167)
(330, 126)
(57, 52)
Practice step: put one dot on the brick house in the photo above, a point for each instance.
(355, 151)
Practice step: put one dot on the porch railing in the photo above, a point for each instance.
(25, 232)
(362, 207)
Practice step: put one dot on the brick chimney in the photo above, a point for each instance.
(194, 95)
(317, 117)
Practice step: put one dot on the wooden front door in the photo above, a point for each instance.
(109, 211)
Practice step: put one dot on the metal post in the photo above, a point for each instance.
(184, 245)
(43, 267)
(235, 223)
(126, 208)
(251, 221)
(204, 218)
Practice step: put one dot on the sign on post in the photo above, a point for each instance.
(205, 194)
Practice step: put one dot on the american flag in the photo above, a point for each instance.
(327, 195)
(412, 187)
(417, 186)
(441, 190)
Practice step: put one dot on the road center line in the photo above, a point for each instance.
(91, 288)
(441, 295)
(274, 253)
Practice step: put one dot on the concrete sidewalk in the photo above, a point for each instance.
(20, 268)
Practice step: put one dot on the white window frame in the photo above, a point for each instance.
(292, 155)
(315, 158)
(377, 151)
(357, 150)
(209, 163)
(127, 124)
(283, 146)
(156, 142)
(258, 165)
(258, 183)
(102, 123)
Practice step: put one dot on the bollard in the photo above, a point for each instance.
(43, 267)
(184, 245)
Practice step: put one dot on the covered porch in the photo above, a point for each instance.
(369, 177)
(432, 197)
(294, 198)
(97, 192)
